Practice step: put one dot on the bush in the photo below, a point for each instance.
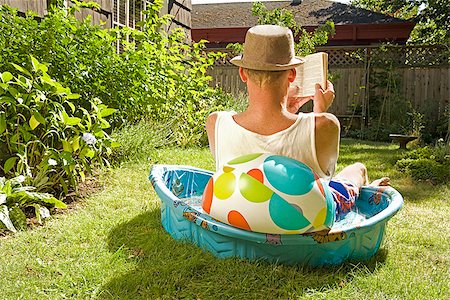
(157, 75)
(44, 135)
(427, 163)
(428, 169)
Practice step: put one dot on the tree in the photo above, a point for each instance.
(432, 17)
(283, 17)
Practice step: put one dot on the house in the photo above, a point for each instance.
(115, 13)
(223, 23)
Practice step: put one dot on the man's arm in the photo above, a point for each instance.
(211, 131)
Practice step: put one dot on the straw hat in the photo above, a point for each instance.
(268, 48)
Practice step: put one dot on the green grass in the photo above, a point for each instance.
(112, 245)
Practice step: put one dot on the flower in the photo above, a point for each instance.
(89, 138)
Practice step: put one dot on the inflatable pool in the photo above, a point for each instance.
(356, 237)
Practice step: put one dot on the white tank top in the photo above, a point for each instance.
(296, 141)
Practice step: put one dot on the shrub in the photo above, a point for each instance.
(428, 169)
(157, 75)
(44, 135)
(427, 163)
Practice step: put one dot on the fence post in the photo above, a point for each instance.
(365, 103)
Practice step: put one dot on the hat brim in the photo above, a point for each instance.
(240, 62)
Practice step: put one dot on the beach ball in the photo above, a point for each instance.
(269, 193)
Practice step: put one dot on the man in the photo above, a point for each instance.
(270, 125)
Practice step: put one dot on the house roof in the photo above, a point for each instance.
(308, 13)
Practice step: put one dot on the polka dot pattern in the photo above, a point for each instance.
(244, 158)
(286, 215)
(281, 170)
(238, 220)
(253, 190)
(225, 185)
(271, 194)
(208, 196)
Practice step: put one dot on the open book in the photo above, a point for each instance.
(313, 70)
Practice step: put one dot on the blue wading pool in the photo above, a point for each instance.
(356, 237)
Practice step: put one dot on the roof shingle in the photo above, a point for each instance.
(308, 13)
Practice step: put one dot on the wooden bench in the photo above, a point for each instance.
(402, 139)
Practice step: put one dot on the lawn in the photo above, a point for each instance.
(112, 245)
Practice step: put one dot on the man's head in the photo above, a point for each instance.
(265, 78)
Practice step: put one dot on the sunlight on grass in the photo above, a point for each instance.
(112, 245)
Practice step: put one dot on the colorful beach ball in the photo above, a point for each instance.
(270, 194)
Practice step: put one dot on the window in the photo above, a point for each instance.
(127, 13)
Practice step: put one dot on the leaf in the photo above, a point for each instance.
(66, 146)
(37, 212)
(47, 79)
(3, 125)
(87, 152)
(18, 180)
(9, 164)
(35, 63)
(18, 218)
(39, 117)
(73, 121)
(64, 185)
(6, 76)
(107, 112)
(71, 105)
(47, 198)
(82, 176)
(4, 218)
(76, 143)
(33, 122)
(2, 198)
(64, 117)
(73, 96)
(22, 70)
(104, 124)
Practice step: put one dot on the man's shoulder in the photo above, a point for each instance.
(327, 122)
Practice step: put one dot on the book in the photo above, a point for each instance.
(313, 70)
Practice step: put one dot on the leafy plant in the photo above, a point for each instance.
(45, 135)
(15, 198)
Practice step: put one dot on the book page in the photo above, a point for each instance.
(313, 70)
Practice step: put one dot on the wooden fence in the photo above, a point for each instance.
(422, 76)
(38, 6)
(102, 15)
(116, 12)
(181, 12)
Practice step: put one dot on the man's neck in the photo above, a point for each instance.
(266, 100)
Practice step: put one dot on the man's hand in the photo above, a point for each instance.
(323, 98)
(294, 102)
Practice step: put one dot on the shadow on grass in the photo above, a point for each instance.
(166, 268)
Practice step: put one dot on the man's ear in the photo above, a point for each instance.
(292, 74)
(242, 74)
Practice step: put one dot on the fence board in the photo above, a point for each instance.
(38, 6)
